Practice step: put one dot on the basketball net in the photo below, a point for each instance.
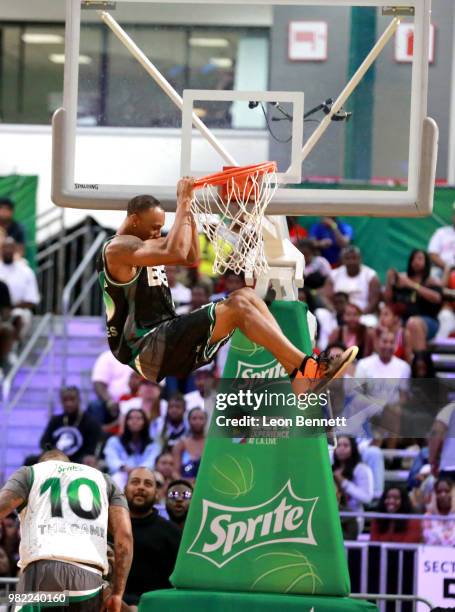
(230, 207)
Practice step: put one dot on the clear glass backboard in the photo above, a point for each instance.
(333, 92)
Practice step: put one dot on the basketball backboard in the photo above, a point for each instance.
(244, 78)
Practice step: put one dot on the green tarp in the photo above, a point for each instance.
(386, 242)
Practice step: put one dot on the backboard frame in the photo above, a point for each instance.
(417, 200)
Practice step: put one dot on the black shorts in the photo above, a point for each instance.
(178, 346)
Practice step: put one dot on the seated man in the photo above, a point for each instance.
(143, 328)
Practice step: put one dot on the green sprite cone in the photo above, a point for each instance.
(264, 516)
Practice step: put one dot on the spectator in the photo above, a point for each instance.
(156, 540)
(165, 465)
(317, 268)
(390, 321)
(178, 501)
(6, 570)
(180, 294)
(11, 539)
(420, 297)
(296, 231)
(8, 358)
(441, 447)
(352, 476)
(330, 236)
(349, 525)
(330, 319)
(11, 228)
(160, 497)
(384, 365)
(353, 333)
(22, 286)
(427, 396)
(148, 398)
(441, 247)
(188, 451)
(231, 282)
(132, 449)
(440, 533)
(5, 302)
(205, 393)
(200, 295)
(110, 380)
(359, 281)
(75, 433)
(168, 430)
(422, 488)
(395, 500)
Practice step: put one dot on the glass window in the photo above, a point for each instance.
(114, 90)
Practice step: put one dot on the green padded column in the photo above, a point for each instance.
(264, 516)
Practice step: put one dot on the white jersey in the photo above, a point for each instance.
(66, 515)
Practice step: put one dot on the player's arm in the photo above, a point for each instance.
(172, 250)
(194, 254)
(9, 501)
(120, 528)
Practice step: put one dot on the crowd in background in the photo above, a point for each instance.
(151, 436)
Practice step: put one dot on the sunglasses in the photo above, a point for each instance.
(178, 495)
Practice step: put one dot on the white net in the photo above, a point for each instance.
(231, 217)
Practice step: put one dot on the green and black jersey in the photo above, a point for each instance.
(135, 308)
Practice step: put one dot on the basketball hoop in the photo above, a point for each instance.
(230, 206)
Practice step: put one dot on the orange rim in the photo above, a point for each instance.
(219, 178)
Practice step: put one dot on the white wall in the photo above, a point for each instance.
(118, 156)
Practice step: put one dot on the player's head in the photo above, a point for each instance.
(146, 217)
(53, 455)
(140, 491)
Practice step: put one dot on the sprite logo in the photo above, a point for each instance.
(272, 369)
(227, 532)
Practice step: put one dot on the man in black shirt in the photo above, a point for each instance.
(74, 432)
(156, 540)
(9, 226)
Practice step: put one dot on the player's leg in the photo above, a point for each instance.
(238, 311)
(246, 311)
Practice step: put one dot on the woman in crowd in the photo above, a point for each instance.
(165, 465)
(420, 298)
(349, 525)
(188, 451)
(354, 478)
(353, 333)
(441, 532)
(395, 500)
(132, 449)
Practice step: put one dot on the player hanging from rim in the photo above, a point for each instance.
(142, 326)
(65, 512)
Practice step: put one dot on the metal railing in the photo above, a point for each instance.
(45, 326)
(67, 311)
(370, 565)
